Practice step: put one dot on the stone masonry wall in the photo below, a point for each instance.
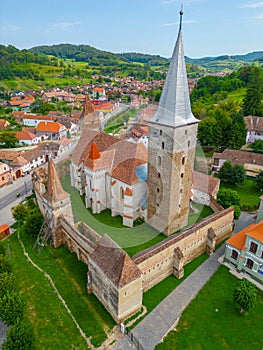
(157, 262)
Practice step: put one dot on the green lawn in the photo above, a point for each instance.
(202, 327)
(51, 323)
(132, 240)
(248, 193)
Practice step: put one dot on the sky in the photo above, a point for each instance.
(210, 27)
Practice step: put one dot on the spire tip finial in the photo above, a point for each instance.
(181, 15)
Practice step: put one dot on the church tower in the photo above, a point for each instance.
(171, 149)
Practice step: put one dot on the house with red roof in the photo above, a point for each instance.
(245, 250)
(55, 130)
(4, 231)
(33, 120)
(27, 138)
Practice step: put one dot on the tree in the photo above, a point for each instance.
(7, 283)
(20, 213)
(225, 171)
(5, 264)
(245, 295)
(33, 223)
(235, 174)
(12, 307)
(19, 337)
(259, 180)
(252, 103)
(9, 139)
(228, 198)
(257, 146)
(238, 174)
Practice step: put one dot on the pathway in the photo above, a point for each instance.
(164, 317)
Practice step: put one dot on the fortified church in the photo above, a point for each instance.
(113, 173)
(133, 182)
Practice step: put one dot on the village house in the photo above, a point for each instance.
(27, 138)
(254, 128)
(4, 124)
(54, 130)
(22, 162)
(245, 251)
(252, 162)
(98, 92)
(204, 188)
(58, 96)
(4, 231)
(4, 174)
(33, 120)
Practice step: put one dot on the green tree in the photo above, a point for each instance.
(20, 213)
(19, 337)
(245, 295)
(12, 306)
(5, 264)
(225, 171)
(8, 139)
(252, 103)
(7, 283)
(259, 180)
(257, 146)
(238, 174)
(238, 131)
(33, 223)
(229, 198)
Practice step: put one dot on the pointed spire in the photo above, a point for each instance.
(88, 108)
(174, 107)
(54, 191)
(94, 151)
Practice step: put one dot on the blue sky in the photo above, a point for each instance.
(210, 27)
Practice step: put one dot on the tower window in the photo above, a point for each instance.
(182, 175)
(158, 189)
(161, 132)
(159, 175)
(183, 160)
(185, 132)
(159, 160)
(155, 135)
(188, 143)
(162, 145)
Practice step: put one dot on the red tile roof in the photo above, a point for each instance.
(114, 262)
(49, 127)
(205, 183)
(25, 135)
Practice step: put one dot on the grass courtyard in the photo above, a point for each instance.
(132, 240)
(248, 192)
(202, 327)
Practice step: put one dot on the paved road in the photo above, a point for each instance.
(8, 197)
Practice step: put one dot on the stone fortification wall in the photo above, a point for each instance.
(158, 262)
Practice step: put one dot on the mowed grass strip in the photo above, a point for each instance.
(212, 321)
(70, 277)
(53, 327)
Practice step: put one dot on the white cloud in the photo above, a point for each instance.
(253, 5)
(64, 25)
(259, 17)
(11, 28)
